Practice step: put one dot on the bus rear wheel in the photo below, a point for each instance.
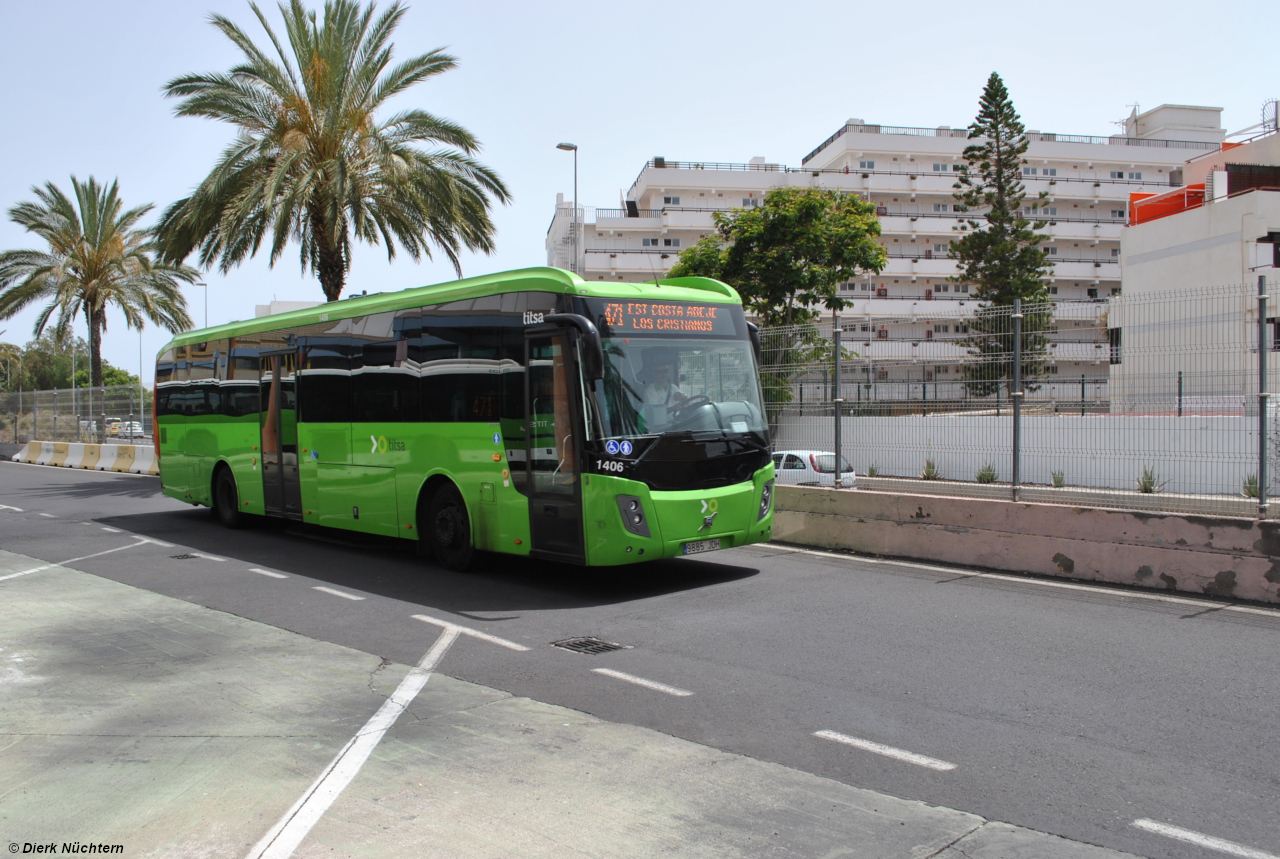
(449, 530)
(226, 500)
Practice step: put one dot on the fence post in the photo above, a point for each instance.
(1082, 395)
(837, 399)
(1179, 393)
(1262, 396)
(1016, 395)
(55, 414)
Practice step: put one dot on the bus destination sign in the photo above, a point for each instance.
(668, 317)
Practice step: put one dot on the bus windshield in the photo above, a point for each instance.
(654, 385)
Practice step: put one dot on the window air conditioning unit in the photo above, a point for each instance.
(882, 293)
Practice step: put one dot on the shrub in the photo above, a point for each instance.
(1149, 482)
(1059, 479)
(1251, 486)
(986, 474)
(931, 471)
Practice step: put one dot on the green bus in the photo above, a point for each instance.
(528, 412)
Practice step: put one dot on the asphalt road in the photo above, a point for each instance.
(1073, 711)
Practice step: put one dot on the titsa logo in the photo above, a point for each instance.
(382, 444)
(531, 318)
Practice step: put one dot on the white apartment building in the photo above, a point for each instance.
(909, 173)
(1192, 257)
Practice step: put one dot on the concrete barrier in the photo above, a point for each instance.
(1217, 555)
(131, 458)
(144, 460)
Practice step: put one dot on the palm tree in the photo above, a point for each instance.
(96, 257)
(313, 162)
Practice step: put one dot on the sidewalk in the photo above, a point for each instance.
(136, 719)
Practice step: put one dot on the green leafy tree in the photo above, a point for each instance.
(96, 257)
(1000, 254)
(787, 259)
(314, 161)
(789, 256)
(111, 375)
(45, 362)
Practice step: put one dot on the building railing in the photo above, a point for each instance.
(628, 213)
(1035, 137)
(911, 172)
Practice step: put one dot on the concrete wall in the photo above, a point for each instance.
(1221, 556)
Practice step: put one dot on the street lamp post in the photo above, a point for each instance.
(206, 303)
(573, 147)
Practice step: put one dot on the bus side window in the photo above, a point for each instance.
(324, 383)
(239, 385)
(384, 381)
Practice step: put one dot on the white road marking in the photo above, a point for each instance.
(337, 593)
(1206, 841)
(291, 829)
(287, 834)
(7, 507)
(112, 530)
(474, 633)
(47, 515)
(887, 751)
(68, 561)
(153, 542)
(208, 557)
(262, 572)
(640, 681)
(1028, 580)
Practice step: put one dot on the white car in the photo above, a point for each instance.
(811, 468)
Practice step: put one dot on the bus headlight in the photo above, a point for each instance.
(633, 518)
(766, 500)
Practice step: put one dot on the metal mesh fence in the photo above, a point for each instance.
(1148, 401)
(112, 413)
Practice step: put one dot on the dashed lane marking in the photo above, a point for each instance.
(47, 515)
(640, 681)
(262, 572)
(474, 633)
(208, 557)
(887, 751)
(1201, 840)
(7, 507)
(336, 592)
(112, 530)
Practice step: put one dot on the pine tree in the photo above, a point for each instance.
(999, 255)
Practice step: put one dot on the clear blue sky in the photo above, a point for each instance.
(625, 81)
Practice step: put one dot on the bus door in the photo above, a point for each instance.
(282, 493)
(552, 445)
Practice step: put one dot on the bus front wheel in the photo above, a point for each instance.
(226, 500)
(449, 529)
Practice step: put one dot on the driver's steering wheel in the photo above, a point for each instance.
(690, 402)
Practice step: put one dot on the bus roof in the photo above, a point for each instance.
(540, 279)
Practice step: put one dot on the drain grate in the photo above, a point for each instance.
(184, 557)
(589, 645)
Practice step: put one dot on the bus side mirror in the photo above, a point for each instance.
(592, 346)
(754, 333)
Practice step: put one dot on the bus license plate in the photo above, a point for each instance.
(701, 546)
